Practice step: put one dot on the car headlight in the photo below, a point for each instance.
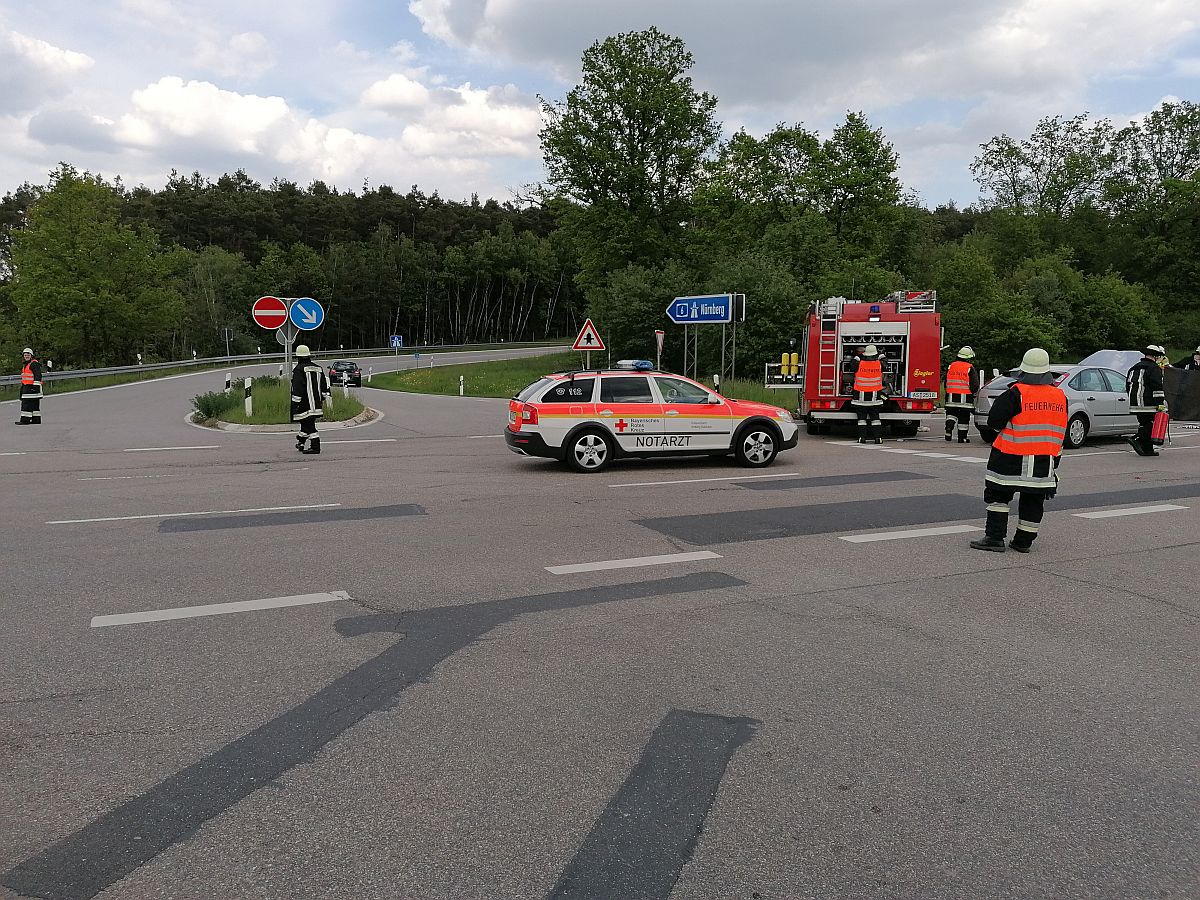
(784, 414)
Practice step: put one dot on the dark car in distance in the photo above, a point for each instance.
(351, 372)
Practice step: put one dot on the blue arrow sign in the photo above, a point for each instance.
(704, 310)
(306, 313)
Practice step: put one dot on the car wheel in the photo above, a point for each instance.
(812, 427)
(589, 451)
(756, 447)
(1077, 432)
(902, 430)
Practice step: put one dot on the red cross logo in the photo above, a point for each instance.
(622, 425)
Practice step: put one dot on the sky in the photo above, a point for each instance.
(443, 94)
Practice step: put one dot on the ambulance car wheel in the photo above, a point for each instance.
(589, 451)
(756, 446)
(1077, 432)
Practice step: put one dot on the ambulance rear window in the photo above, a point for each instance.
(533, 389)
(569, 390)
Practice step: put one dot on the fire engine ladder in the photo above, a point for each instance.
(828, 356)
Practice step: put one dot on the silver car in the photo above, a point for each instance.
(1097, 403)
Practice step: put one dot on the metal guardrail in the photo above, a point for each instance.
(49, 375)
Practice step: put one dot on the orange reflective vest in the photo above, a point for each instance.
(958, 378)
(27, 375)
(1041, 425)
(869, 377)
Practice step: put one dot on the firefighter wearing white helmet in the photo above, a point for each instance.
(1030, 421)
(867, 399)
(31, 389)
(961, 384)
(309, 388)
(1147, 395)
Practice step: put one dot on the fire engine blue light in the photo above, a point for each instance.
(874, 307)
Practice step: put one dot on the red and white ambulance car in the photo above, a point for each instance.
(588, 418)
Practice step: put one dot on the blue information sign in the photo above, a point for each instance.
(306, 313)
(704, 310)
(397, 341)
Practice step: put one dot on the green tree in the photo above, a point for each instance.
(628, 144)
(856, 175)
(85, 287)
(1065, 162)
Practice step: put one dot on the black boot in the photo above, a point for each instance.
(314, 447)
(963, 439)
(1020, 548)
(996, 545)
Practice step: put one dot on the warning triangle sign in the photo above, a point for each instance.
(589, 338)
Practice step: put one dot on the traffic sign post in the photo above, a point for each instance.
(659, 334)
(588, 340)
(706, 309)
(306, 313)
(269, 312)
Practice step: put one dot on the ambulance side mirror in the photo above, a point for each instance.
(713, 400)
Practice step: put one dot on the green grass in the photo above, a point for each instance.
(498, 378)
(272, 406)
(505, 377)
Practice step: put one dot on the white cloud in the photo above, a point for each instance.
(33, 71)
(396, 92)
(242, 54)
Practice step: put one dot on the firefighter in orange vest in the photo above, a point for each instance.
(1030, 420)
(962, 383)
(868, 396)
(31, 390)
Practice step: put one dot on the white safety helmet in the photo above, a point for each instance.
(1197, 350)
(966, 353)
(302, 350)
(28, 350)
(1035, 362)
(1153, 350)
(870, 351)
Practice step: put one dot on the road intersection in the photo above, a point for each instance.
(419, 666)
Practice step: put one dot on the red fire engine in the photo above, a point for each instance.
(905, 327)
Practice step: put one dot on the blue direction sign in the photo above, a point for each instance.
(306, 313)
(397, 341)
(705, 310)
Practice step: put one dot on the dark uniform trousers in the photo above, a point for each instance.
(31, 410)
(1040, 483)
(867, 406)
(959, 417)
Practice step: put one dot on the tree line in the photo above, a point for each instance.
(1087, 235)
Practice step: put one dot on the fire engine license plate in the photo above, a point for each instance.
(923, 395)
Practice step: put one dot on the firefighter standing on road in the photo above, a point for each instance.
(962, 383)
(868, 396)
(31, 390)
(1030, 419)
(1147, 395)
(309, 387)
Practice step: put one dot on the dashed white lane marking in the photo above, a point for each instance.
(154, 449)
(1128, 511)
(633, 563)
(18, 453)
(481, 437)
(929, 454)
(364, 441)
(180, 515)
(911, 533)
(699, 480)
(125, 477)
(216, 609)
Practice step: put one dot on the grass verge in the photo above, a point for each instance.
(272, 404)
(505, 377)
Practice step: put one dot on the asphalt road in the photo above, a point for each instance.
(774, 711)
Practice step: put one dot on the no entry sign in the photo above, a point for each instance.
(269, 312)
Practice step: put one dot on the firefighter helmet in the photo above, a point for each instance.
(1035, 362)
(302, 351)
(28, 350)
(966, 353)
(870, 351)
